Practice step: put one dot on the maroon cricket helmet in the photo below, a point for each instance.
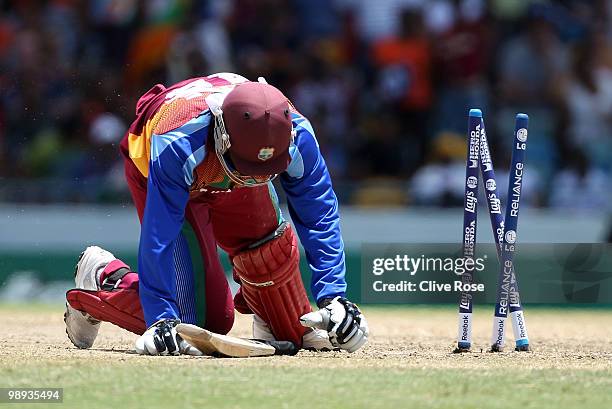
(258, 120)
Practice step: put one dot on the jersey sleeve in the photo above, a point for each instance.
(313, 207)
(174, 155)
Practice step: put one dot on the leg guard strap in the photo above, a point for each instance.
(117, 302)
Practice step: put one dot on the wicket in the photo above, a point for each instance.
(464, 338)
(504, 232)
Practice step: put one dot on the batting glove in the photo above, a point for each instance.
(343, 321)
(161, 338)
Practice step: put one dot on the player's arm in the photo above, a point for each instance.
(174, 155)
(314, 210)
(167, 198)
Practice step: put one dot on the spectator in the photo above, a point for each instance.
(368, 75)
(440, 182)
(580, 186)
(403, 64)
(589, 101)
(462, 58)
(531, 65)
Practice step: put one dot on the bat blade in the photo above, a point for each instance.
(214, 344)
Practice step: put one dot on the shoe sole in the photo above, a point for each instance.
(68, 334)
(76, 268)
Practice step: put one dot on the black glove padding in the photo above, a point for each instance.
(161, 338)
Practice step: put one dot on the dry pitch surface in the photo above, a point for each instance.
(407, 364)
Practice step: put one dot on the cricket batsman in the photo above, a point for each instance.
(199, 162)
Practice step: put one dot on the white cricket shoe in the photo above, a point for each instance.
(82, 328)
(314, 339)
(89, 267)
(317, 340)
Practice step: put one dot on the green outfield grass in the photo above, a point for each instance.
(172, 384)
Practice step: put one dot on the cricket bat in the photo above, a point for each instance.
(214, 344)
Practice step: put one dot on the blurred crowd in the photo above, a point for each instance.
(387, 85)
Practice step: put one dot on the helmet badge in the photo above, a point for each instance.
(265, 153)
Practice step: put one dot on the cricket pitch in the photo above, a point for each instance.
(407, 363)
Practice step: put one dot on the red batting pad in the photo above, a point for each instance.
(272, 286)
(120, 307)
